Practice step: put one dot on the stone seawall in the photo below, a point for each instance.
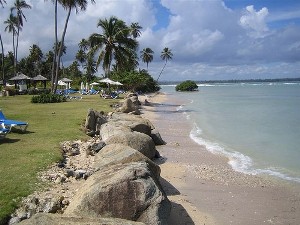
(109, 179)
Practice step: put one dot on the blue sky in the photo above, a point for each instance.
(210, 39)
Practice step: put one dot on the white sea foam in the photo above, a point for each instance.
(238, 161)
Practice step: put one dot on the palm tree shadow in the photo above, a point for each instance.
(9, 140)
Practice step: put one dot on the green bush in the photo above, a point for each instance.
(34, 91)
(136, 81)
(187, 85)
(48, 98)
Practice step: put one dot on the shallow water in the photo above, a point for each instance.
(255, 125)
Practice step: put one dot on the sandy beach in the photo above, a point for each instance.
(204, 189)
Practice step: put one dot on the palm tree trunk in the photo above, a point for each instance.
(161, 71)
(55, 51)
(61, 47)
(17, 45)
(15, 68)
(2, 50)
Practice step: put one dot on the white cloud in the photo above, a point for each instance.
(208, 39)
(255, 21)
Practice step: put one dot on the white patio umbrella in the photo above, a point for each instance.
(107, 80)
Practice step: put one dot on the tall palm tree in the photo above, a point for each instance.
(114, 43)
(11, 27)
(166, 55)
(18, 6)
(2, 48)
(147, 55)
(69, 5)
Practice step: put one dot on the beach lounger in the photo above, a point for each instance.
(3, 131)
(8, 124)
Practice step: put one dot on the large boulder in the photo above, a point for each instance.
(58, 219)
(129, 117)
(120, 154)
(129, 107)
(128, 191)
(93, 122)
(113, 128)
(136, 140)
(156, 137)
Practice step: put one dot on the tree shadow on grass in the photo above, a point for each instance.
(9, 140)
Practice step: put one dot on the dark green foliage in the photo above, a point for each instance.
(135, 81)
(35, 91)
(187, 85)
(48, 98)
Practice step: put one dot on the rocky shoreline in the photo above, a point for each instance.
(109, 179)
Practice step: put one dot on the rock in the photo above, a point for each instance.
(129, 107)
(96, 147)
(128, 191)
(93, 122)
(139, 141)
(135, 100)
(120, 154)
(126, 117)
(112, 128)
(58, 219)
(155, 135)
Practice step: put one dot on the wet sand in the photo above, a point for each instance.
(202, 186)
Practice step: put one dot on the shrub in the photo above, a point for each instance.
(34, 91)
(48, 98)
(11, 91)
(187, 85)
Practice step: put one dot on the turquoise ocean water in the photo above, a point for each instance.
(255, 125)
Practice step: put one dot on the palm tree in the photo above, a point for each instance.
(36, 56)
(18, 6)
(147, 55)
(166, 55)
(2, 48)
(114, 43)
(135, 30)
(83, 44)
(12, 28)
(69, 5)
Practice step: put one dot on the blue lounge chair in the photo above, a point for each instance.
(8, 124)
(3, 131)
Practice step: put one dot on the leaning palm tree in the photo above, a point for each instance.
(18, 6)
(147, 55)
(69, 5)
(11, 27)
(114, 43)
(166, 55)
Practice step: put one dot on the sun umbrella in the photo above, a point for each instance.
(60, 82)
(107, 80)
(118, 83)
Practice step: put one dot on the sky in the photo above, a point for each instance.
(209, 39)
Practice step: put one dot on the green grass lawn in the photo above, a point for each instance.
(22, 155)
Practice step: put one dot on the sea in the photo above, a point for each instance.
(255, 125)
